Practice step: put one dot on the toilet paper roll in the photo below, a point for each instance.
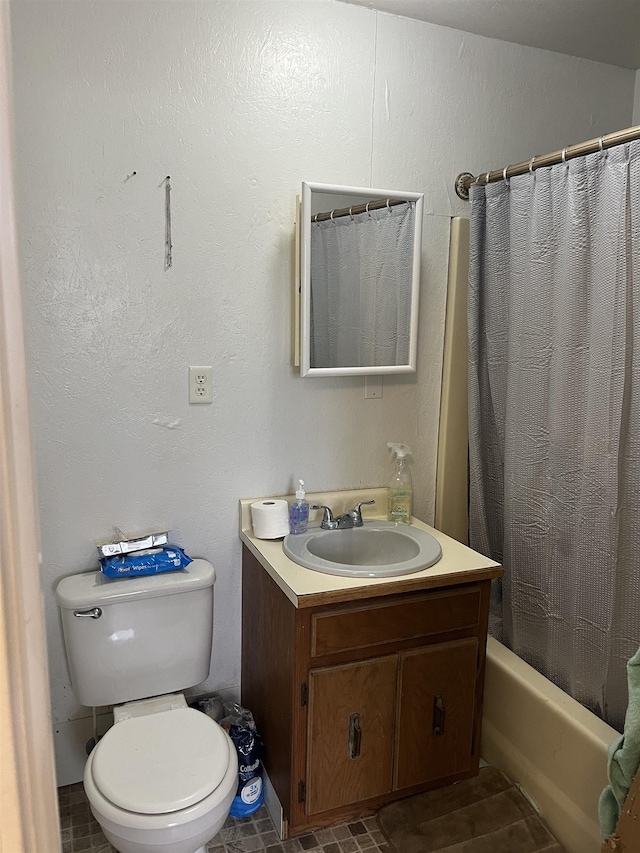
(270, 519)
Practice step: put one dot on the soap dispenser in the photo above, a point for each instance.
(400, 489)
(299, 511)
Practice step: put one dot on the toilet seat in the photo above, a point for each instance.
(180, 832)
(162, 762)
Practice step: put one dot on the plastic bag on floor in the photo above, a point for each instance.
(239, 722)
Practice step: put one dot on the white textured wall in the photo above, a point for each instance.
(239, 102)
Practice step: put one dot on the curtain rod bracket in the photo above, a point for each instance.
(463, 181)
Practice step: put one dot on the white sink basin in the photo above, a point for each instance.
(380, 549)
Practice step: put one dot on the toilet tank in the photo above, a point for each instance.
(130, 638)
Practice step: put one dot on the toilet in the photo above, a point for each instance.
(163, 777)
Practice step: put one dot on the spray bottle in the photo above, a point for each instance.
(400, 490)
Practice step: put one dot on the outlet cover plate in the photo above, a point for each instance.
(200, 384)
(372, 387)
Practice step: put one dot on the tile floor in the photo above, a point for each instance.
(81, 833)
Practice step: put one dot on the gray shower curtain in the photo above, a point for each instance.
(554, 417)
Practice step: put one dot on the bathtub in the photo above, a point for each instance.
(548, 743)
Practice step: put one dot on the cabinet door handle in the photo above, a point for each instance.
(355, 736)
(438, 715)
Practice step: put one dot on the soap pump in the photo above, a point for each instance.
(299, 511)
(400, 489)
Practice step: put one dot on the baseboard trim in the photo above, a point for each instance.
(274, 807)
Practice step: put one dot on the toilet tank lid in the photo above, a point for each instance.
(91, 589)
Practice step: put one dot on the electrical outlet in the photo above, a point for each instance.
(201, 384)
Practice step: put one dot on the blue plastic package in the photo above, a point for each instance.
(250, 792)
(239, 722)
(169, 558)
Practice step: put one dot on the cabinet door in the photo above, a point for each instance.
(350, 732)
(435, 712)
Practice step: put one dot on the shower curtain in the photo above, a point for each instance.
(361, 278)
(554, 417)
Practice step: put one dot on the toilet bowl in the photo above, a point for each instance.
(161, 781)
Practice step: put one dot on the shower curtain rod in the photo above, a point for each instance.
(465, 179)
(358, 208)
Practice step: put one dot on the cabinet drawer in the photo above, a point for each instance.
(393, 621)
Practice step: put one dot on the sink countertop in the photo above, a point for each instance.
(307, 588)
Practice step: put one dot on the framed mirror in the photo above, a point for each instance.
(359, 280)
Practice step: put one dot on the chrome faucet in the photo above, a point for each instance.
(353, 518)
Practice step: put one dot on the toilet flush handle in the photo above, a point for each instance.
(92, 613)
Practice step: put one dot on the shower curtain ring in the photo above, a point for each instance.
(564, 156)
(531, 164)
(504, 176)
(351, 212)
(486, 178)
(601, 145)
(331, 215)
(388, 205)
(366, 207)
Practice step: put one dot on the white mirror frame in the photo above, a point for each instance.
(305, 280)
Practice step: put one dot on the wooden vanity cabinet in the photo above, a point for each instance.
(361, 701)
